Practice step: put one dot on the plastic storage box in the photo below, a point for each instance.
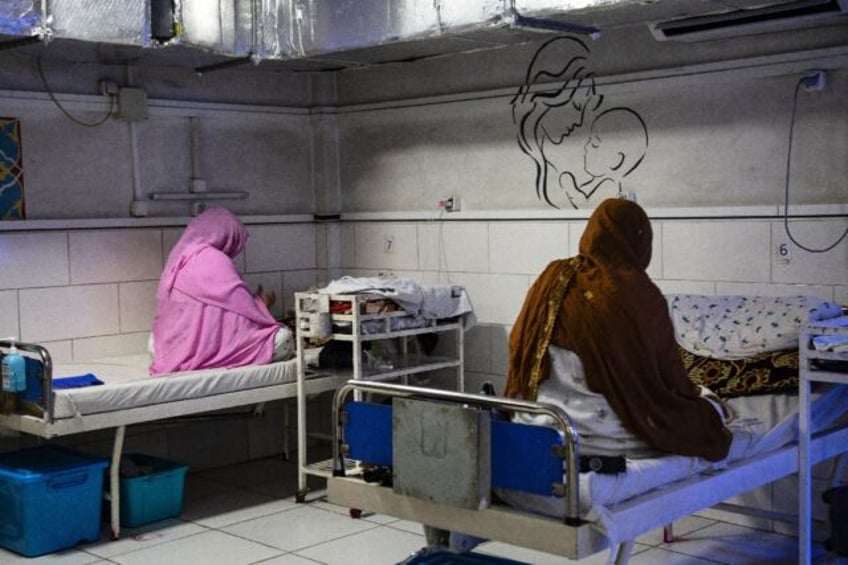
(50, 499)
(155, 493)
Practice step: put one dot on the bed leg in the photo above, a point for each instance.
(621, 554)
(286, 429)
(668, 533)
(114, 482)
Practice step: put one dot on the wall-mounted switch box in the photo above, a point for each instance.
(132, 104)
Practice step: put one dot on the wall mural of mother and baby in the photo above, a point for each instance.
(582, 147)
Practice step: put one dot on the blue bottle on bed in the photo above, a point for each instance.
(13, 371)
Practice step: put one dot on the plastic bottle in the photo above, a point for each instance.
(13, 371)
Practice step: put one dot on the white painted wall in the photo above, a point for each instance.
(716, 138)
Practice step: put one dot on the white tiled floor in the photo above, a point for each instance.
(246, 514)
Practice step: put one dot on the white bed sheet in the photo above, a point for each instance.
(128, 384)
(764, 424)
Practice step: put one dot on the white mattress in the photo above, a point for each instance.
(128, 384)
(764, 424)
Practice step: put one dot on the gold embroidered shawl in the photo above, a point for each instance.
(603, 306)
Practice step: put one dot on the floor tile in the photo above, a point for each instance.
(732, 544)
(133, 539)
(679, 528)
(299, 527)
(526, 555)
(660, 556)
(66, 557)
(231, 507)
(377, 546)
(207, 548)
(289, 559)
(247, 515)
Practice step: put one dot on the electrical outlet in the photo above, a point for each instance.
(108, 87)
(449, 203)
(814, 80)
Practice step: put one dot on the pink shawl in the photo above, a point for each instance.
(206, 316)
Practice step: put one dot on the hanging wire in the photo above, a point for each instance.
(443, 250)
(786, 187)
(64, 111)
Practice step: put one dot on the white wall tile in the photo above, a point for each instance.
(500, 348)
(478, 348)
(840, 294)
(99, 256)
(686, 287)
(830, 267)
(137, 305)
(323, 247)
(9, 322)
(68, 312)
(170, 236)
(654, 269)
(370, 241)
(266, 435)
(60, 351)
(109, 346)
(717, 250)
(33, 259)
(453, 246)
(347, 233)
(750, 289)
(526, 247)
(497, 298)
(575, 232)
(299, 281)
(280, 248)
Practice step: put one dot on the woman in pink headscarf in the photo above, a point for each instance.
(206, 316)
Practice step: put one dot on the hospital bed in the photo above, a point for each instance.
(129, 395)
(521, 486)
(597, 512)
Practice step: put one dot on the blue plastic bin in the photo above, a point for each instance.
(49, 499)
(155, 494)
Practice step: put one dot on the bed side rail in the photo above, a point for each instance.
(561, 420)
(40, 374)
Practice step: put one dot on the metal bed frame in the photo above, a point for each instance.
(573, 536)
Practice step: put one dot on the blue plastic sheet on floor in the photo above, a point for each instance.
(440, 556)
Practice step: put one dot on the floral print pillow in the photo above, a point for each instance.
(735, 326)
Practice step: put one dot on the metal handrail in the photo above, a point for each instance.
(561, 420)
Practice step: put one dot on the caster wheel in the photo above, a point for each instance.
(355, 513)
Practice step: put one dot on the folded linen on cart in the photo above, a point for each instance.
(434, 301)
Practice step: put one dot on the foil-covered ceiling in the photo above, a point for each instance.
(341, 33)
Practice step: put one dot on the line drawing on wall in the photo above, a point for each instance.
(581, 149)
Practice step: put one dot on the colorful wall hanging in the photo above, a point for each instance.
(11, 170)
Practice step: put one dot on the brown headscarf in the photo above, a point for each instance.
(603, 306)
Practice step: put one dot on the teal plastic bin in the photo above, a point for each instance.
(50, 499)
(156, 493)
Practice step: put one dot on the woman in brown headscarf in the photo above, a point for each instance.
(603, 307)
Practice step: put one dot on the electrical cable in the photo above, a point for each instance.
(442, 251)
(786, 187)
(64, 111)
